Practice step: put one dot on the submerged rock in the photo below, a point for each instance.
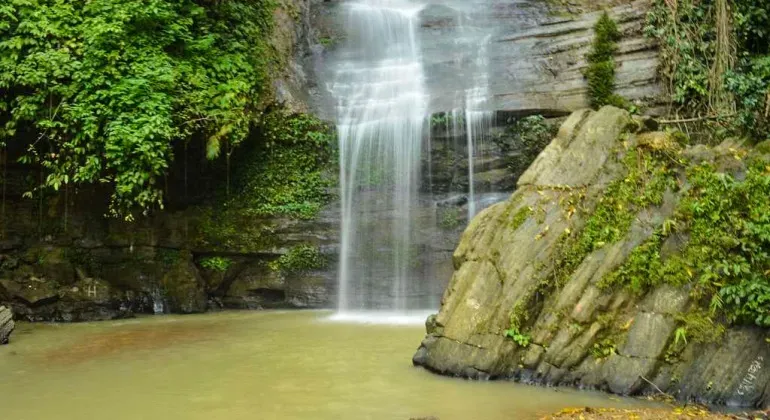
(6, 324)
(527, 304)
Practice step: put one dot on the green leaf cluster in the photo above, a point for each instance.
(220, 264)
(519, 315)
(98, 91)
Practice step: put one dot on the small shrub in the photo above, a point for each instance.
(518, 337)
(216, 263)
(601, 65)
(604, 349)
(450, 219)
(298, 259)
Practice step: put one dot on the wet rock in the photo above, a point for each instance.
(6, 324)
(432, 326)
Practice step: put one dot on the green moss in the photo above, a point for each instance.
(648, 177)
(167, 256)
(700, 327)
(83, 258)
(298, 259)
(233, 229)
(763, 147)
(601, 65)
(520, 217)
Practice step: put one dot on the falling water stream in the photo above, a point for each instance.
(383, 111)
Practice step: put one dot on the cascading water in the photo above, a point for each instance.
(381, 112)
(383, 109)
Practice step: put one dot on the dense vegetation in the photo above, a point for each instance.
(726, 257)
(100, 91)
(715, 57)
(288, 173)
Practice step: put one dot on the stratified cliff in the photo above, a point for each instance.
(593, 274)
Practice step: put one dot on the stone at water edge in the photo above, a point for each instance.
(6, 324)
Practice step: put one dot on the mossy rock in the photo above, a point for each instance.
(183, 286)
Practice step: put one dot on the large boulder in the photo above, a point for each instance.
(6, 324)
(528, 303)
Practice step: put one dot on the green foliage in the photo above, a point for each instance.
(751, 85)
(450, 219)
(688, 38)
(299, 259)
(98, 91)
(519, 315)
(680, 335)
(446, 119)
(601, 65)
(726, 257)
(686, 48)
(220, 264)
(527, 137)
(604, 349)
(519, 338)
(752, 25)
(288, 174)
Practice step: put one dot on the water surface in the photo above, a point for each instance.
(248, 365)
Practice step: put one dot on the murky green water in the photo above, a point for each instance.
(247, 365)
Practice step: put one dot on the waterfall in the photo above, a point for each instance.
(381, 109)
(382, 106)
(478, 121)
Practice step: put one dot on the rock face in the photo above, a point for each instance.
(532, 53)
(6, 324)
(578, 333)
